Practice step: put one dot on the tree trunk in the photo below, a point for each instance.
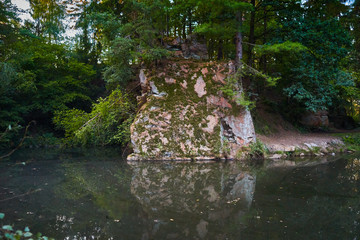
(190, 22)
(263, 58)
(184, 28)
(238, 41)
(220, 50)
(167, 23)
(251, 35)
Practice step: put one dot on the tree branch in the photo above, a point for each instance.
(21, 142)
(21, 195)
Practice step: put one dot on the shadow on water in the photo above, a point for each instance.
(94, 194)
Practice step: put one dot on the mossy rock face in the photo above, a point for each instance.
(186, 116)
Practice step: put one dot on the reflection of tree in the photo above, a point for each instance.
(315, 202)
(192, 200)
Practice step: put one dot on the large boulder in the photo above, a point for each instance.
(187, 116)
(315, 119)
(191, 47)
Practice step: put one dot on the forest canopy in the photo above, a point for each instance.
(306, 53)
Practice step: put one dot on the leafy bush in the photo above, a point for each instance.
(352, 141)
(10, 136)
(7, 232)
(153, 55)
(107, 124)
(233, 91)
(119, 57)
(233, 87)
(257, 150)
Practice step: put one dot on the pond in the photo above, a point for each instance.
(96, 194)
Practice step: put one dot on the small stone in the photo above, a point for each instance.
(143, 79)
(154, 89)
(184, 84)
(204, 71)
(212, 122)
(170, 80)
(184, 68)
(161, 74)
(310, 145)
(276, 156)
(200, 87)
(289, 148)
(219, 77)
(218, 101)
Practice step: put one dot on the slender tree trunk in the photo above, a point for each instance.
(190, 21)
(263, 58)
(167, 23)
(38, 28)
(210, 48)
(220, 50)
(238, 41)
(251, 35)
(184, 28)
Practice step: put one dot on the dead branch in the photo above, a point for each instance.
(21, 142)
(21, 195)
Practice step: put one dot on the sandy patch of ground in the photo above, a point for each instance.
(290, 138)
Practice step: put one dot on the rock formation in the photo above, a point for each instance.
(186, 114)
(191, 47)
(315, 120)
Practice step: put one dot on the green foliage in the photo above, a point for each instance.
(249, 71)
(153, 55)
(352, 141)
(107, 124)
(217, 22)
(39, 78)
(10, 109)
(315, 76)
(119, 70)
(283, 48)
(57, 80)
(308, 53)
(48, 16)
(8, 233)
(233, 90)
(9, 137)
(257, 150)
(71, 120)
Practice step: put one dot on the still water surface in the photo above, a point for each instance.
(94, 194)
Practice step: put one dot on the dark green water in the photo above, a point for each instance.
(96, 195)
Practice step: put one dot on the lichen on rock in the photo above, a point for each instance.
(186, 116)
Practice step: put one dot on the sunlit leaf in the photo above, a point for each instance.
(7, 227)
(28, 234)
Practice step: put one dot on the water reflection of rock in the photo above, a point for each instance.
(192, 200)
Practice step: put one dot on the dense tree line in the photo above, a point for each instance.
(305, 52)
